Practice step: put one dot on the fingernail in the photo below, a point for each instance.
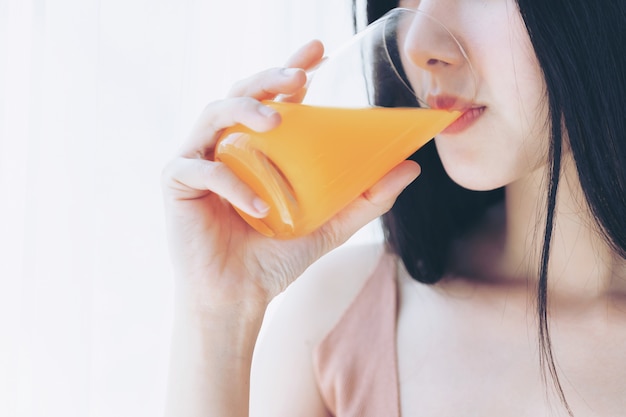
(260, 206)
(266, 111)
(290, 72)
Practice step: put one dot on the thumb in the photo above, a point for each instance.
(371, 204)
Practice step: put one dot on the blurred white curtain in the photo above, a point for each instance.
(95, 96)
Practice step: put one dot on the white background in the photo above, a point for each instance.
(95, 96)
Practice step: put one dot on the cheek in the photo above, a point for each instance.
(509, 141)
(512, 139)
(523, 101)
(495, 155)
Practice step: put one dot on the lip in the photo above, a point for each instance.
(467, 118)
(470, 112)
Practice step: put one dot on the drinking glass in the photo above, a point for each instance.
(370, 105)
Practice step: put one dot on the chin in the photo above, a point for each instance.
(478, 184)
(475, 176)
(476, 168)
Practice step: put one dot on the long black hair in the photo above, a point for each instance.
(579, 46)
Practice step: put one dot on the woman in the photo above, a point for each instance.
(358, 333)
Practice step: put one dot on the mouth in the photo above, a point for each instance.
(470, 112)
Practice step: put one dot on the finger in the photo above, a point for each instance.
(265, 85)
(269, 83)
(372, 204)
(296, 97)
(189, 179)
(308, 56)
(226, 113)
(242, 105)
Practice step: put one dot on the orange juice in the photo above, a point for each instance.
(319, 159)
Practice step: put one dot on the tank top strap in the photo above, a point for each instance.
(356, 363)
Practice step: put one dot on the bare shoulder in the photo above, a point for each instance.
(322, 294)
(296, 322)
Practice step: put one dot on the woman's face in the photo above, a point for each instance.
(503, 133)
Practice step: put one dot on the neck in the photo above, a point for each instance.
(582, 265)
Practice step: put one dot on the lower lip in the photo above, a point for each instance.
(465, 121)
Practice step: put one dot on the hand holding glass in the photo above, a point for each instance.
(366, 110)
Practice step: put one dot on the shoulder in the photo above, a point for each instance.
(297, 321)
(317, 299)
(324, 292)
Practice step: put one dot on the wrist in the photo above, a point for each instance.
(211, 302)
(226, 335)
(211, 356)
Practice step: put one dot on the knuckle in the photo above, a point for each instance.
(225, 112)
(238, 105)
(373, 199)
(168, 172)
(248, 103)
(209, 108)
(212, 173)
(238, 187)
(238, 88)
(219, 178)
(330, 237)
(260, 83)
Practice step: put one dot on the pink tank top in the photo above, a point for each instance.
(356, 363)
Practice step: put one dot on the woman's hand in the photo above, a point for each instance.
(226, 272)
(219, 260)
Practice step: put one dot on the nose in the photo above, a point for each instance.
(433, 60)
(428, 44)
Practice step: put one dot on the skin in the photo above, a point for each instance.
(226, 274)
